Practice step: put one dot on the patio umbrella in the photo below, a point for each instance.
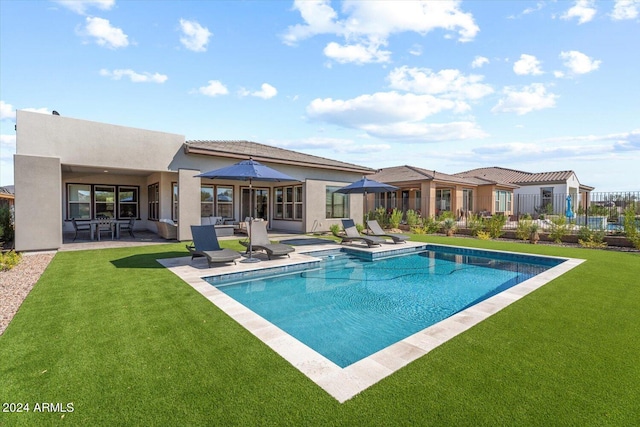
(248, 170)
(569, 212)
(365, 186)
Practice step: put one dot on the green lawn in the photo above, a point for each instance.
(131, 344)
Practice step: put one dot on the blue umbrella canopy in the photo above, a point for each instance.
(365, 186)
(248, 170)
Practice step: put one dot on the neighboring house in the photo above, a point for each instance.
(7, 196)
(544, 192)
(431, 192)
(67, 168)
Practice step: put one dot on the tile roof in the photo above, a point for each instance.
(411, 173)
(512, 176)
(268, 153)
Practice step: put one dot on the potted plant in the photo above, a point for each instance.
(449, 226)
(533, 233)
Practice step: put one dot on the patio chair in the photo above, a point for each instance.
(205, 244)
(80, 227)
(379, 232)
(260, 241)
(128, 226)
(352, 235)
(105, 224)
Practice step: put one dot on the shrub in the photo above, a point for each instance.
(495, 224)
(588, 238)
(380, 215)
(474, 224)
(559, 229)
(449, 226)
(412, 218)
(395, 218)
(335, 229)
(6, 225)
(631, 226)
(9, 260)
(428, 226)
(359, 227)
(483, 235)
(523, 230)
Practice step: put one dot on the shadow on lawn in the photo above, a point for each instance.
(146, 260)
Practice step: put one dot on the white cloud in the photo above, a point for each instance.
(195, 37)
(391, 115)
(527, 64)
(416, 50)
(105, 34)
(7, 112)
(356, 53)
(135, 77)
(81, 6)
(266, 92)
(584, 10)
(479, 61)
(446, 83)
(42, 110)
(215, 88)
(578, 62)
(334, 145)
(8, 142)
(367, 25)
(528, 99)
(625, 9)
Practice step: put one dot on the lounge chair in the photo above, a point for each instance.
(205, 244)
(260, 241)
(379, 232)
(352, 235)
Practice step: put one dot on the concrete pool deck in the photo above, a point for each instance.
(344, 383)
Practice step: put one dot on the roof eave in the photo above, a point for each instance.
(188, 149)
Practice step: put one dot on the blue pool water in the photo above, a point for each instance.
(349, 307)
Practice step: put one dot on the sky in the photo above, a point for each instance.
(535, 86)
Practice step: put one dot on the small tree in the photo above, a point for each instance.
(495, 224)
(559, 229)
(631, 226)
(6, 225)
(412, 218)
(395, 218)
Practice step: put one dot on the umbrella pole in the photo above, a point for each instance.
(251, 258)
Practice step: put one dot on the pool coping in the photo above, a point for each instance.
(344, 383)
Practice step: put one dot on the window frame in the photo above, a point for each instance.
(288, 202)
(331, 203)
(92, 201)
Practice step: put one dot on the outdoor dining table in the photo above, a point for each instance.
(114, 223)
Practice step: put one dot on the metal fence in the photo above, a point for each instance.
(597, 211)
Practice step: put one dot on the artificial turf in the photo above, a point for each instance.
(129, 343)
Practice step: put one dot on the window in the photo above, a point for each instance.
(79, 201)
(547, 198)
(225, 202)
(443, 200)
(86, 201)
(104, 199)
(288, 202)
(206, 200)
(153, 197)
(297, 202)
(337, 204)
(127, 202)
(467, 200)
(174, 201)
(503, 201)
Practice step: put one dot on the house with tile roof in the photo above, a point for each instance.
(537, 192)
(431, 192)
(66, 169)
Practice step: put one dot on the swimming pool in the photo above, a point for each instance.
(348, 305)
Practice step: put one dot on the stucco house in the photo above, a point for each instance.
(542, 192)
(67, 168)
(432, 192)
